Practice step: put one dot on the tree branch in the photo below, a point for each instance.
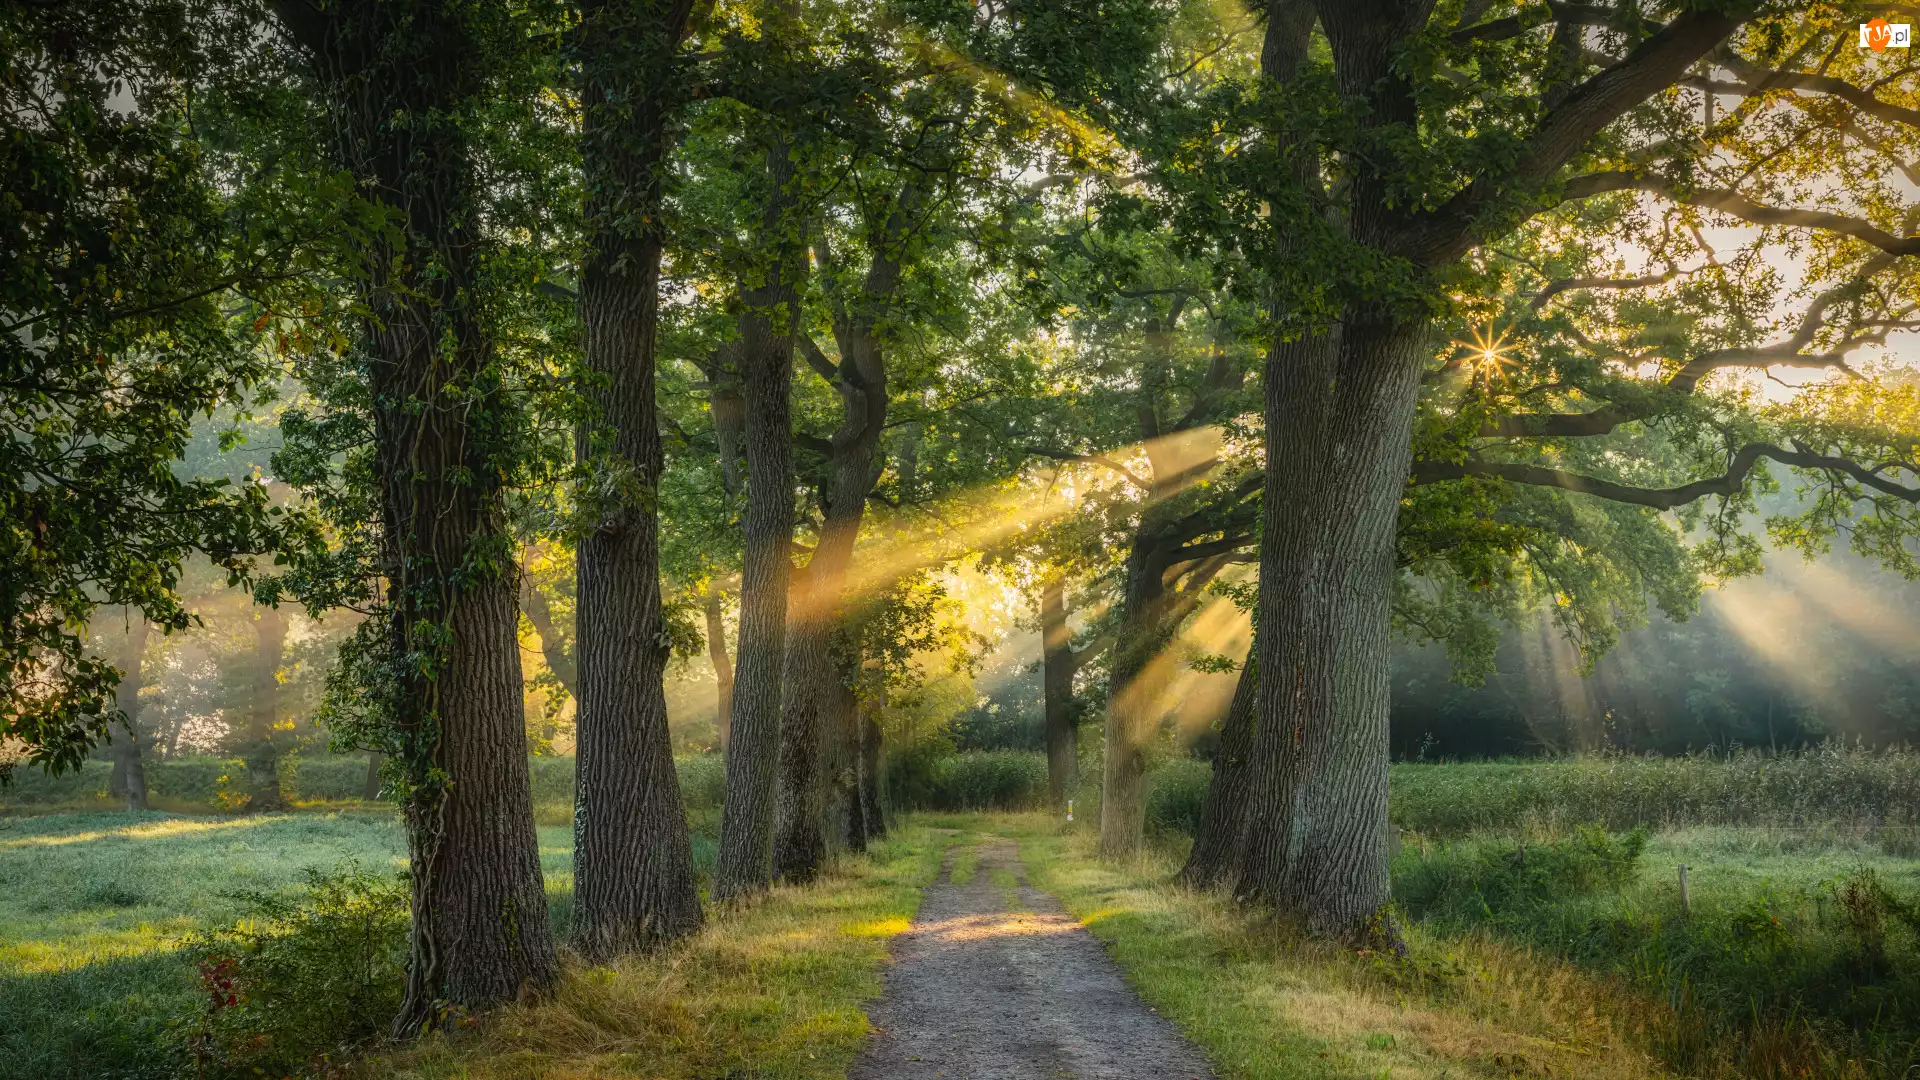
(1756, 80)
(816, 359)
(1191, 552)
(1447, 233)
(1515, 25)
(1737, 205)
(1089, 459)
(1726, 484)
(1788, 353)
(1555, 288)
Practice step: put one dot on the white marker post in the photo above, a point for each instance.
(1069, 809)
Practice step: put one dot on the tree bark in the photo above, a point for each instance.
(1057, 669)
(370, 787)
(845, 810)
(872, 815)
(817, 723)
(553, 644)
(128, 763)
(722, 668)
(262, 755)
(1316, 829)
(633, 859)
(1130, 704)
(1222, 827)
(400, 80)
(729, 407)
(799, 842)
(745, 862)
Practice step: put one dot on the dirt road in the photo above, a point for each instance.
(995, 982)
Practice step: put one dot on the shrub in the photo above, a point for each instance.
(990, 780)
(703, 780)
(303, 979)
(1175, 793)
(1477, 880)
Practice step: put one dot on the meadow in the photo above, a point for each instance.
(1796, 952)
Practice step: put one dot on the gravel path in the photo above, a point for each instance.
(998, 983)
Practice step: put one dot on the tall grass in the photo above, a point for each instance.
(1828, 784)
(1873, 790)
(1790, 958)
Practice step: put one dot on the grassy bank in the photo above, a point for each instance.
(772, 990)
(1870, 793)
(96, 911)
(1268, 1005)
(97, 976)
(1794, 954)
(1573, 958)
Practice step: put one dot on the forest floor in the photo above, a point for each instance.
(995, 979)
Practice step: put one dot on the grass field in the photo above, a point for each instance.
(1539, 948)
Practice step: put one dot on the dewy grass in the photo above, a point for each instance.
(772, 990)
(94, 907)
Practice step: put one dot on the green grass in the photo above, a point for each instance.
(1878, 791)
(93, 909)
(1573, 959)
(1266, 1004)
(772, 990)
(1789, 934)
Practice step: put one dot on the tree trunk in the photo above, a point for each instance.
(1317, 827)
(480, 935)
(722, 668)
(846, 812)
(370, 787)
(400, 80)
(872, 815)
(262, 755)
(817, 724)
(633, 859)
(1062, 719)
(729, 407)
(553, 645)
(128, 763)
(1222, 826)
(799, 842)
(1130, 705)
(117, 775)
(745, 862)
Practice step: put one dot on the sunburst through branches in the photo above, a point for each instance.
(1487, 357)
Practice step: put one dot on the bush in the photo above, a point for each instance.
(703, 780)
(1478, 880)
(990, 780)
(1176, 792)
(303, 980)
